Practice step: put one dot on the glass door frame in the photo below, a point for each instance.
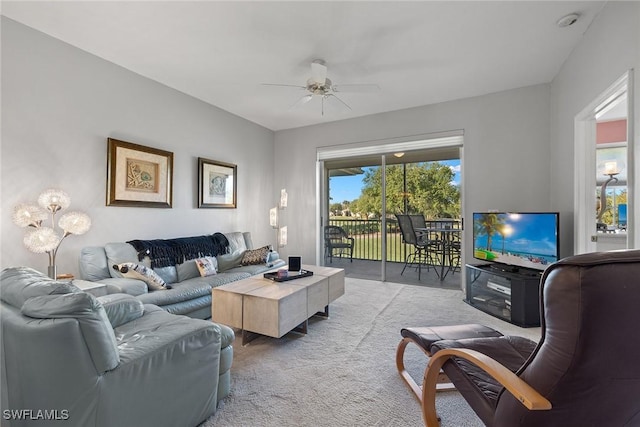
(452, 139)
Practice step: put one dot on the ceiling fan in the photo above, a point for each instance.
(321, 86)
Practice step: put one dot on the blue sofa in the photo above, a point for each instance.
(71, 359)
(190, 294)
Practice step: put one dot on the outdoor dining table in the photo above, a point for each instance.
(445, 237)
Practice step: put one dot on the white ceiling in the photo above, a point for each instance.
(418, 52)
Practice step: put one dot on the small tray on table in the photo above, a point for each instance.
(292, 275)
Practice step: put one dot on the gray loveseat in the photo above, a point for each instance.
(72, 359)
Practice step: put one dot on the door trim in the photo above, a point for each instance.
(585, 166)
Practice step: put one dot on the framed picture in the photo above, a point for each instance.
(138, 175)
(217, 184)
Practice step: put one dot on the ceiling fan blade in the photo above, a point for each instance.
(361, 88)
(319, 71)
(301, 101)
(336, 101)
(277, 84)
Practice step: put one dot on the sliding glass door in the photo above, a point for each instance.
(363, 194)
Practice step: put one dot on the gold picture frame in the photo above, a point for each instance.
(138, 176)
(217, 184)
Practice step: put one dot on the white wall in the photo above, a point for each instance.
(60, 104)
(609, 48)
(506, 155)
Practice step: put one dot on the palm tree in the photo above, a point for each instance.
(490, 224)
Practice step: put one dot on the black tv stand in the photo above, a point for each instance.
(504, 268)
(511, 294)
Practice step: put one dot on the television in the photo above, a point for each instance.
(516, 239)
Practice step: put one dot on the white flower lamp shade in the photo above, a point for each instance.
(41, 240)
(54, 200)
(25, 215)
(46, 239)
(75, 223)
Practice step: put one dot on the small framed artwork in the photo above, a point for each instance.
(138, 176)
(217, 184)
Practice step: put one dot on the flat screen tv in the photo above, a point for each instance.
(516, 239)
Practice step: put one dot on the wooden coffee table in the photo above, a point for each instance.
(260, 306)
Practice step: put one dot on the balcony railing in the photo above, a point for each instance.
(368, 239)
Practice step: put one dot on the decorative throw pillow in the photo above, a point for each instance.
(255, 256)
(187, 270)
(207, 266)
(140, 272)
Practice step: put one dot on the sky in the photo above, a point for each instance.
(348, 187)
(532, 233)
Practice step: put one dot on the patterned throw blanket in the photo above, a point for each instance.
(167, 252)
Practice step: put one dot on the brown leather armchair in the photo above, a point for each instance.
(585, 371)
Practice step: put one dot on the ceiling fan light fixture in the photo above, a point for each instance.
(319, 71)
(318, 85)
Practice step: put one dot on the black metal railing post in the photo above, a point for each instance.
(368, 234)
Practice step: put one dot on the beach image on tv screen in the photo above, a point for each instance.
(522, 239)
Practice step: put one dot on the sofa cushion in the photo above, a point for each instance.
(207, 266)
(124, 285)
(120, 252)
(229, 261)
(187, 270)
(93, 264)
(255, 256)
(237, 243)
(258, 268)
(198, 308)
(181, 291)
(162, 335)
(168, 274)
(92, 318)
(224, 278)
(248, 242)
(18, 284)
(121, 308)
(140, 272)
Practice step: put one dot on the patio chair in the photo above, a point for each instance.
(583, 371)
(336, 242)
(454, 252)
(418, 221)
(423, 247)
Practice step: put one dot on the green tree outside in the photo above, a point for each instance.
(429, 190)
(608, 215)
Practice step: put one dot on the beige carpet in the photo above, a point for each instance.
(342, 373)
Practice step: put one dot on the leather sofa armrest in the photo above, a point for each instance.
(91, 317)
(121, 308)
(522, 391)
(124, 285)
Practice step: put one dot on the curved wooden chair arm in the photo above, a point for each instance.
(522, 391)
